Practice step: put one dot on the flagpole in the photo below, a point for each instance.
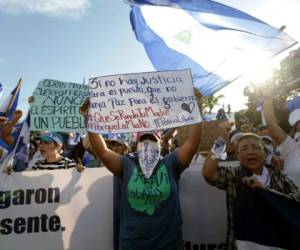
(14, 96)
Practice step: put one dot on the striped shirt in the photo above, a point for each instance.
(64, 163)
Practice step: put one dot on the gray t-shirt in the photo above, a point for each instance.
(150, 215)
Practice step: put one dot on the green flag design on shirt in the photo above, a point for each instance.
(145, 195)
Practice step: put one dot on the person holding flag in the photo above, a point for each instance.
(252, 172)
(288, 145)
(9, 105)
(9, 117)
(9, 126)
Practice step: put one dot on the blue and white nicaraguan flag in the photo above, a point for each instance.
(19, 152)
(266, 221)
(218, 43)
(9, 105)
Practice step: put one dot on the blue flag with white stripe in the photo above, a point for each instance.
(18, 156)
(9, 105)
(218, 43)
(265, 220)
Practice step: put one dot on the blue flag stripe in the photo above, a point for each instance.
(237, 40)
(20, 150)
(175, 59)
(9, 105)
(267, 218)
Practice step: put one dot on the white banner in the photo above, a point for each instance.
(56, 210)
(142, 102)
(203, 210)
(66, 210)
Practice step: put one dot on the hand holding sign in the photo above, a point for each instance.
(80, 167)
(30, 99)
(84, 109)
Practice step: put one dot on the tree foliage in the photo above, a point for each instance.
(210, 102)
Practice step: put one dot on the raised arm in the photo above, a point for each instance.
(210, 167)
(189, 148)
(8, 128)
(277, 133)
(110, 159)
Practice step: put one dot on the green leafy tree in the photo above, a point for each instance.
(210, 102)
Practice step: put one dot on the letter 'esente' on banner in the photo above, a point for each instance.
(67, 210)
(56, 106)
(142, 101)
(56, 210)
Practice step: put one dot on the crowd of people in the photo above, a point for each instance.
(148, 166)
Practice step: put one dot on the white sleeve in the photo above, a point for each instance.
(287, 146)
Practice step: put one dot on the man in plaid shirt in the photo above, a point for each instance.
(251, 172)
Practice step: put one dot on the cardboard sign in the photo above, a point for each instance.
(142, 102)
(210, 132)
(56, 106)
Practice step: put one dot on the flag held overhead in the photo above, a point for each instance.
(9, 105)
(217, 42)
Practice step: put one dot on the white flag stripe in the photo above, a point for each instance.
(248, 245)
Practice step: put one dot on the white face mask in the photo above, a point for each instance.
(149, 154)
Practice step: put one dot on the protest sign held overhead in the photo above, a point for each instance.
(56, 106)
(142, 102)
